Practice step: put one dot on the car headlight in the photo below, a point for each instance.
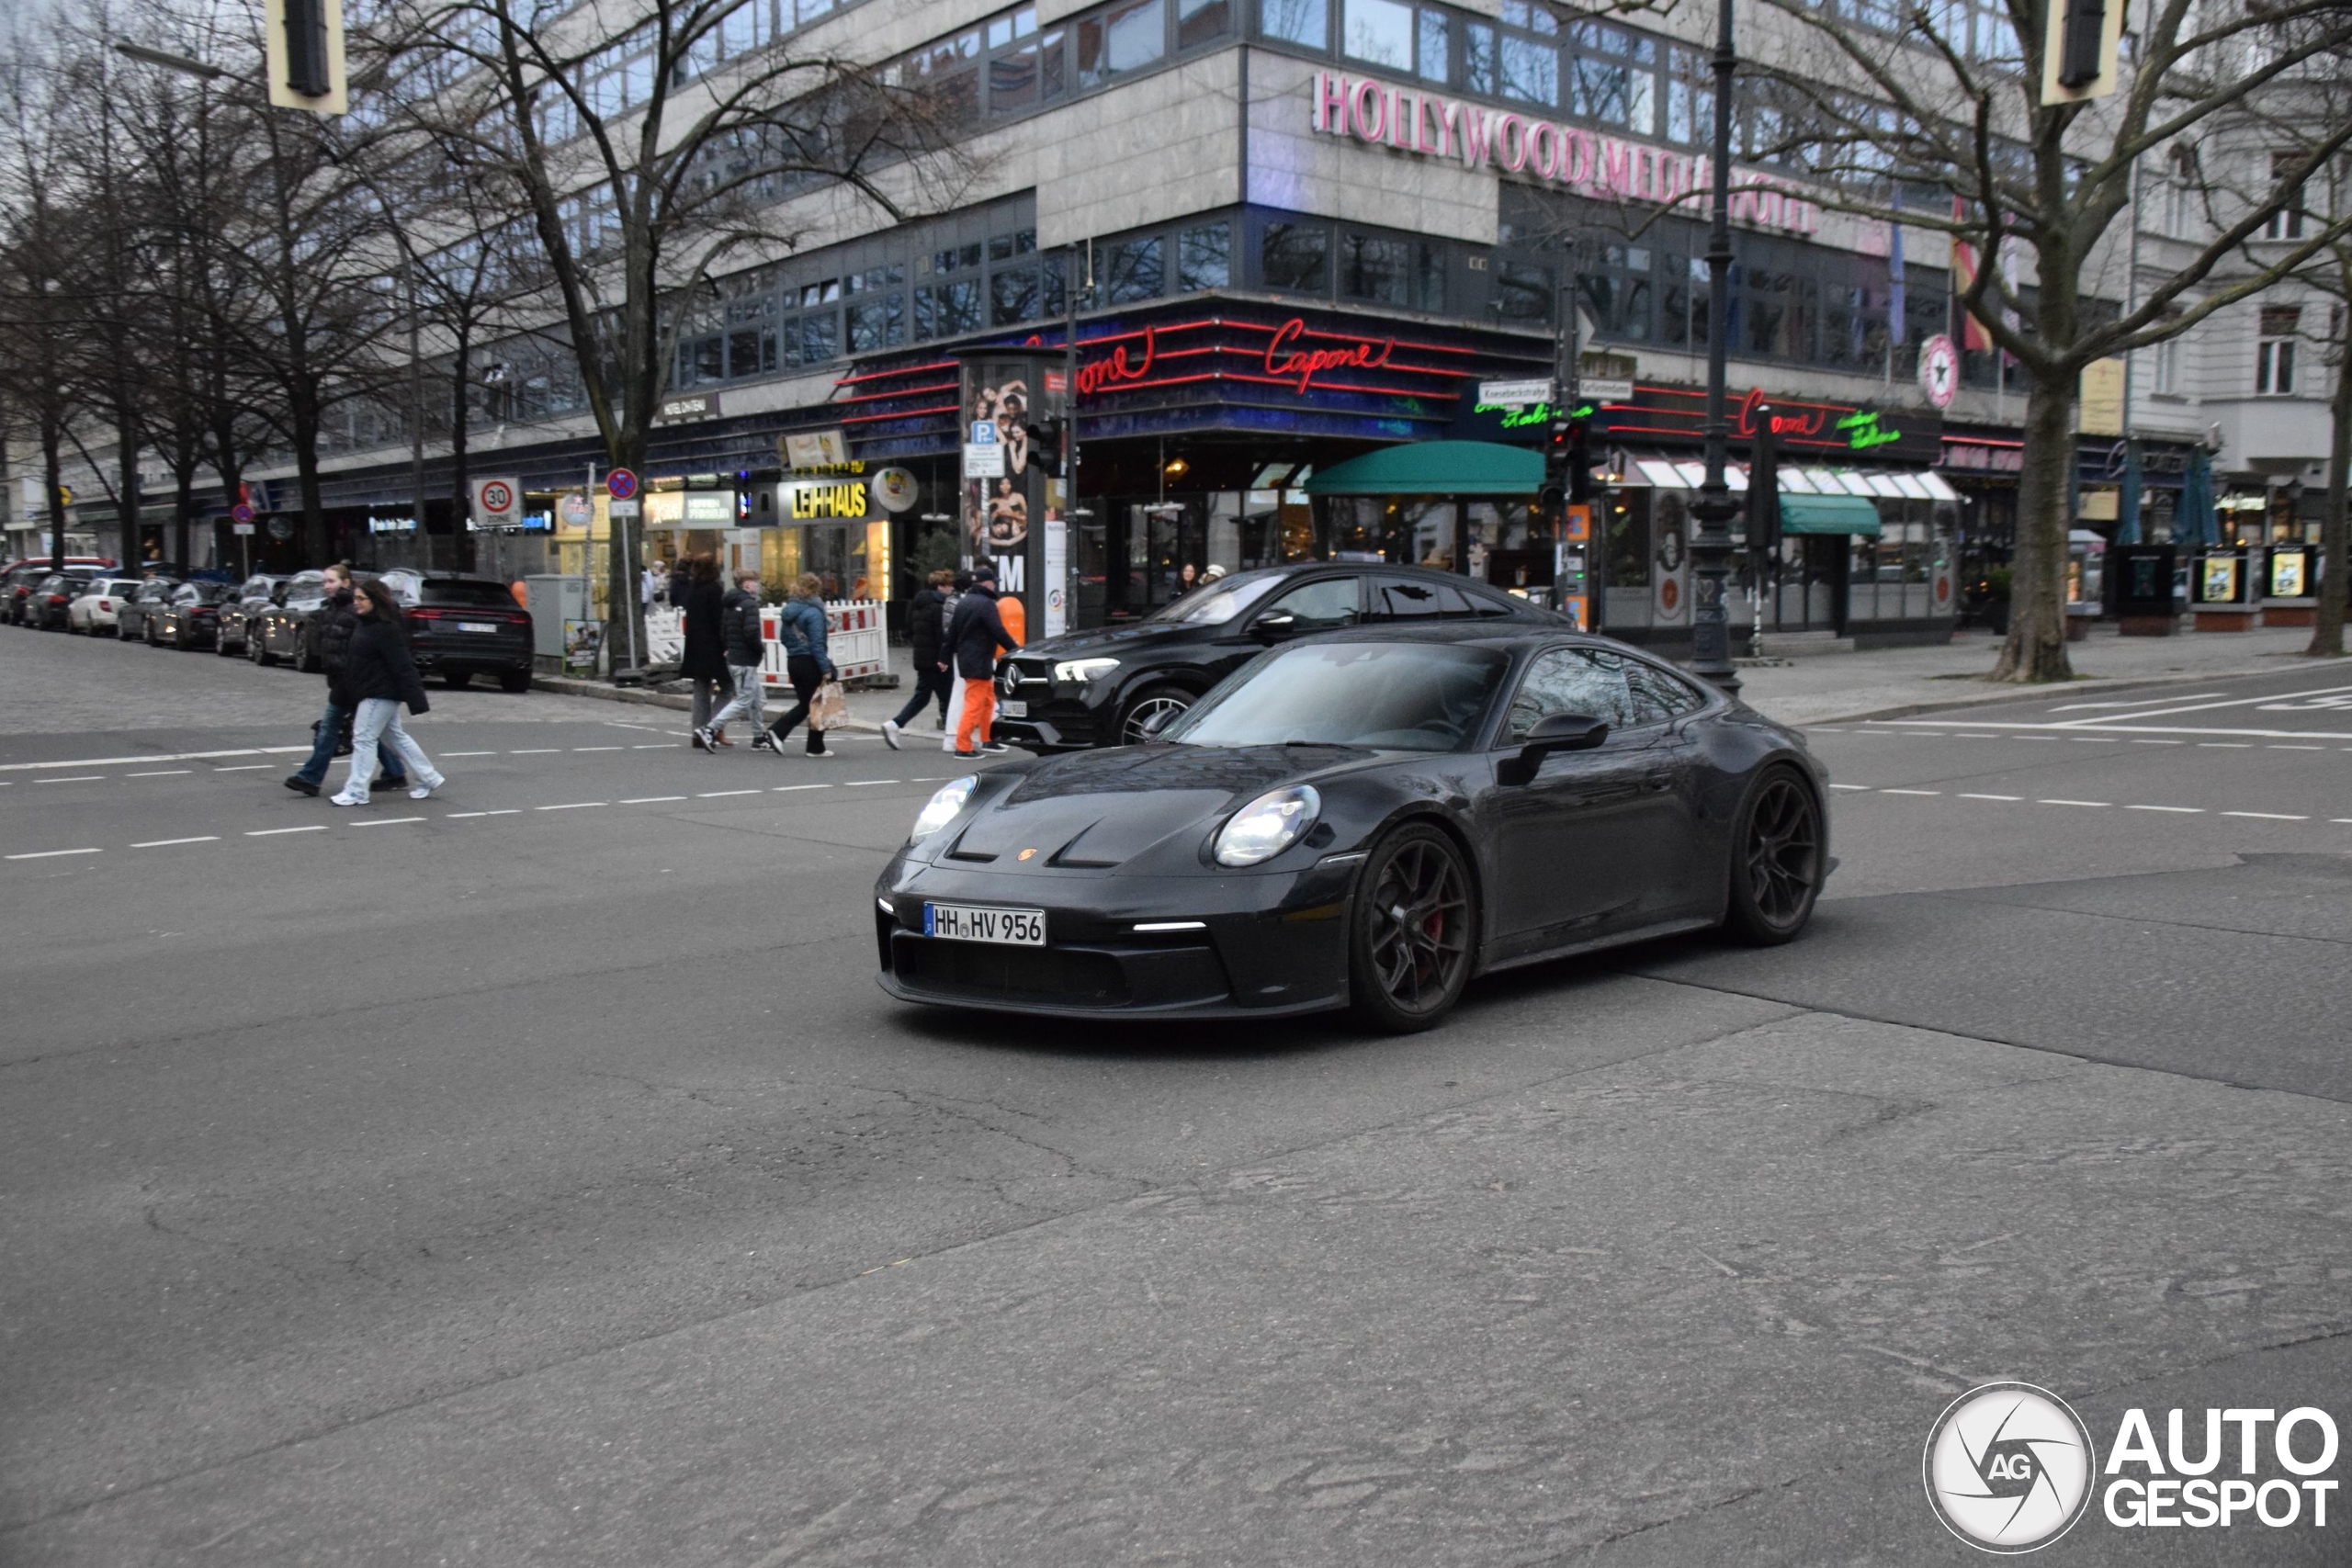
(1075, 672)
(1267, 826)
(943, 806)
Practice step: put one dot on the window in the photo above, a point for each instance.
(1374, 268)
(1126, 39)
(1205, 257)
(1573, 681)
(1402, 599)
(2286, 224)
(1524, 293)
(1433, 54)
(1378, 32)
(1295, 21)
(943, 310)
(1135, 269)
(1198, 21)
(1297, 256)
(878, 324)
(1319, 606)
(2274, 352)
(820, 338)
(2169, 357)
(1012, 296)
(1657, 695)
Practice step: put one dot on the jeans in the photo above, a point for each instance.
(750, 697)
(929, 682)
(379, 722)
(331, 723)
(706, 699)
(980, 709)
(806, 675)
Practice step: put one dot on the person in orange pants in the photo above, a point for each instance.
(975, 638)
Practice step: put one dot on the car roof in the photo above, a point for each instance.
(1507, 638)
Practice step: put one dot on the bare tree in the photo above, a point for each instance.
(652, 144)
(40, 265)
(1935, 108)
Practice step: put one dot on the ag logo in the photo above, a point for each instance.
(2008, 1467)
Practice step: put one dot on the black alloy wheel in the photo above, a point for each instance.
(513, 680)
(1776, 860)
(257, 646)
(1152, 708)
(1414, 932)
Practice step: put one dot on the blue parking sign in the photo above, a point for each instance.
(983, 432)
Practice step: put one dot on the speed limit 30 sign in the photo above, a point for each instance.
(498, 503)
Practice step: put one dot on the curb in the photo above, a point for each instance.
(2030, 693)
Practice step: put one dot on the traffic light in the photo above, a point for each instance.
(305, 49)
(1046, 446)
(1764, 490)
(2079, 50)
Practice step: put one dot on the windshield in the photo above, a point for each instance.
(1405, 697)
(1217, 605)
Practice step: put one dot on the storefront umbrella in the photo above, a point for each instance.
(2196, 524)
(2127, 506)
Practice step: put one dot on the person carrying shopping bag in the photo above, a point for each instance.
(974, 639)
(739, 623)
(380, 674)
(800, 627)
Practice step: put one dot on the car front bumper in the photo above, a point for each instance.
(1265, 945)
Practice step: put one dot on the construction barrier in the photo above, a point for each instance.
(857, 639)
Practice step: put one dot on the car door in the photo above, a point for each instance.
(1689, 858)
(1582, 845)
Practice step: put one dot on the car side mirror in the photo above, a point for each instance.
(1553, 732)
(1273, 627)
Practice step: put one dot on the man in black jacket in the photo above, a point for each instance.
(337, 620)
(925, 630)
(739, 633)
(974, 639)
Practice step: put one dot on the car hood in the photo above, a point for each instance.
(1134, 807)
(1107, 641)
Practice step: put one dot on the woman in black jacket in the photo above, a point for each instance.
(379, 675)
(705, 663)
(926, 624)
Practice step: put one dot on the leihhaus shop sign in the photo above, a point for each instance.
(1612, 168)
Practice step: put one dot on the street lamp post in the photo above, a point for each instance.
(1710, 549)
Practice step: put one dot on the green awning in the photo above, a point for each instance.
(1828, 514)
(1436, 467)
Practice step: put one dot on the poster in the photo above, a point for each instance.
(582, 641)
(2219, 582)
(2289, 576)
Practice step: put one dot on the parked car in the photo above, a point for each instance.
(289, 629)
(93, 613)
(18, 578)
(461, 626)
(1114, 685)
(192, 617)
(240, 609)
(131, 614)
(52, 596)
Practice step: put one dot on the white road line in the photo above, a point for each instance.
(78, 778)
(653, 746)
(942, 778)
(599, 748)
(786, 789)
(273, 832)
(2141, 702)
(2116, 726)
(168, 772)
(2095, 740)
(165, 843)
(1864, 789)
(2268, 816)
(384, 821)
(2265, 747)
(469, 754)
(653, 799)
(572, 806)
(530, 752)
(52, 854)
(2072, 803)
(2226, 745)
(245, 767)
(853, 784)
(2184, 810)
(510, 811)
(2160, 743)
(2009, 797)
(1910, 792)
(151, 757)
(1934, 732)
(717, 794)
(1972, 735)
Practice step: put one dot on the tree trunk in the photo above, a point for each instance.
(125, 457)
(461, 478)
(2036, 649)
(53, 463)
(2327, 628)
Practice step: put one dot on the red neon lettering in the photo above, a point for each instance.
(1306, 364)
(1783, 423)
(1114, 370)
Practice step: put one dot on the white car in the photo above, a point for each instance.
(93, 614)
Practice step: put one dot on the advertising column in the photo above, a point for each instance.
(1012, 407)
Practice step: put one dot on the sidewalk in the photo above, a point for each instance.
(1889, 682)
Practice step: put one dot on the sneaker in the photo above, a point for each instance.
(386, 781)
(346, 800)
(996, 749)
(821, 756)
(968, 756)
(301, 786)
(763, 741)
(425, 791)
(891, 734)
(702, 741)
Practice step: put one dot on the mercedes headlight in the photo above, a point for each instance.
(1267, 826)
(943, 806)
(1076, 671)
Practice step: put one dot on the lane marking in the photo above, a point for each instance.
(533, 752)
(717, 794)
(244, 768)
(572, 806)
(2072, 803)
(653, 746)
(510, 811)
(169, 773)
(2268, 816)
(2011, 797)
(1972, 735)
(152, 757)
(653, 799)
(2160, 743)
(273, 832)
(2116, 726)
(786, 789)
(2141, 703)
(2184, 810)
(2225, 746)
(2095, 740)
(469, 754)
(1910, 792)
(78, 778)
(52, 854)
(2265, 747)
(853, 784)
(385, 821)
(164, 843)
(597, 749)
(1864, 789)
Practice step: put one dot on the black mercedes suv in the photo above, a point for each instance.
(1112, 685)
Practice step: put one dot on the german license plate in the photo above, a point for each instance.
(490, 626)
(1011, 709)
(970, 922)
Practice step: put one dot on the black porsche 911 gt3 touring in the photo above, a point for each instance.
(1365, 818)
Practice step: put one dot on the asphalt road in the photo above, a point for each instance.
(535, 1175)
